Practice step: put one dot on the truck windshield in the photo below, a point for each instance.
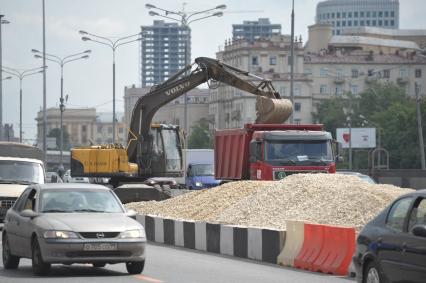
(21, 172)
(295, 151)
(202, 170)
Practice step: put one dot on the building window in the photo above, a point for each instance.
(374, 23)
(403, 73)
(361, 23)
(282, 90)
(355, 23)
(307, 71)
(368, 14)
(361, 14)
(386, 23)
(296, 90)
(349, 23)
(83, 128)
(392, 14)
(386, 74)
(328, 15)
(367, 22)
(297, 121)
(418, 73)
(338, 32)
(418, 88)
(380, 23)
(355, 14)
(392, 23)
(297, 106)
(323, 89)
(339, 90)
(338, 15)
(374, 14)
(343, 23)
(332, 15)
(272, 60)
(254, 60)
(386, 14)
(354, 89)
(323, 72)
(338, 23)
(355, 73)
(349, 14)
(380, 14)
(343, 14)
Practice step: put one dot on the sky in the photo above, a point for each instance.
(88, 83)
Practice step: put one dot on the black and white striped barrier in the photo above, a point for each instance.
(253, 243)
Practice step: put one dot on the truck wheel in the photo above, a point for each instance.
(40, 267)
(9, 261)
(135, 267)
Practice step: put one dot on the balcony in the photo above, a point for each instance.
(371, 79)
(402, 80)
(339, 80)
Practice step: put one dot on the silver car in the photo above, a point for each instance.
(72, 223)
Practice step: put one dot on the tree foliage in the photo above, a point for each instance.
(201, 136)
(56, 133)
(390, 109)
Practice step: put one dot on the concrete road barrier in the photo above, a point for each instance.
(295, 235)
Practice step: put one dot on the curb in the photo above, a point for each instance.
(252, 243)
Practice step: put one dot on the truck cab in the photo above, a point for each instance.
(276, 154)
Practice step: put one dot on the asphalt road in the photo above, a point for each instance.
(170, 264)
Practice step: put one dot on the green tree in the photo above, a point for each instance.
(56, 133)
(387, 106)
(200, 135)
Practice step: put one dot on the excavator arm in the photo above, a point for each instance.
(270, 108)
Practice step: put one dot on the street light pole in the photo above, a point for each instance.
(44, 86)
(2, 22)
(420, 128)
(185, 20)
(62, 62)
(292, 65)
(21, 75)
(113, 45)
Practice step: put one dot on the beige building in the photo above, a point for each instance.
(172, 113)
(83, 125)
(267, 58)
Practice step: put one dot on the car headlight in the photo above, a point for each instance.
(133, 234)
(198, 184)
(53, 234)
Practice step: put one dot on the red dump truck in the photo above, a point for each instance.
(273, 151)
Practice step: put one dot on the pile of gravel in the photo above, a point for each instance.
(333, 199)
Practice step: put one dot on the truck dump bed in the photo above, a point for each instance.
(14, 149)
(231, 152)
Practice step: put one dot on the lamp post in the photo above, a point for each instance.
(113, 45)
(292, 65)
(61, 62)
(185, 19)
(21, 75)
(2, 22)
(420, 127)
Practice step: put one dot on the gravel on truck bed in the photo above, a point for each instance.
(333, 199)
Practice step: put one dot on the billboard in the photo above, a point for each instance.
(361, 137)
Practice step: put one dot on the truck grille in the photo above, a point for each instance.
(278, 175)
(7, 202)
(99, 235)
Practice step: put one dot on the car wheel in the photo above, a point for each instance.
(372, 273)
(9, 261)
(135, 267)
(99, 264)
(39, 266)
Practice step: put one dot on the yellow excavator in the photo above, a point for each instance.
(155, 150)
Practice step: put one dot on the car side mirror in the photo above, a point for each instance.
(419, 231)
(131, 213)
(29, 213)
(339, 159)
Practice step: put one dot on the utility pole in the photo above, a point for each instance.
(419, 127)
(292, 65)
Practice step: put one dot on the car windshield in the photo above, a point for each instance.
(21, 172)
(298, 151)
(78, 200)
(202, 170)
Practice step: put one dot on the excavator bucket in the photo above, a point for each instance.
(272, 111)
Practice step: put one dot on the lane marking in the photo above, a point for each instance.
(149, 279)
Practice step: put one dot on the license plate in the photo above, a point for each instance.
(100, 247)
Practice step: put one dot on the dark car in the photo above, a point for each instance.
(392, 247)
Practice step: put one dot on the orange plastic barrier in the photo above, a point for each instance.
(337, 250)
(312, 245)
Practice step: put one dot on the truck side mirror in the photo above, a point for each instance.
(338, 150)
(255, 151)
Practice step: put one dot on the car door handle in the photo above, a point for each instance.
(404, 247)
(379, 240)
